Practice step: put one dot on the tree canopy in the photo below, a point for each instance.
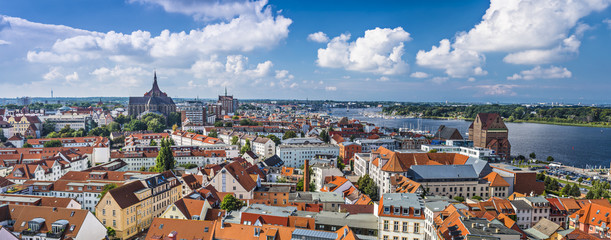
(231, 203)
(289, 134)
(367, 186)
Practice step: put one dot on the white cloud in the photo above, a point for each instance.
(439, 80)
(530, 31)
(284, 74)
(330, 88)
(526, 24)
(419, 75)
(53, 74)
(494, 89)
(72, 77)
(122, 76)
(552, 72)
(498, 89)
(456, 62)
(568, 47)
(3, 42)
(379, 51)
(319, 37)
(237, 71)
(471, 79)
(207, 10)
(608, 22)
(383, 79)
(241, 34)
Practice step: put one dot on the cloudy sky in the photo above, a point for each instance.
(467, 51)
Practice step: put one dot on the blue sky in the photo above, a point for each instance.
(465, 51)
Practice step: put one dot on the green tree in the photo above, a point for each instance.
(218, 124)
(459, 198)
(153, 143)
(110, 232)
(99, 131)
(580, 180)
(276, 140)
(566, 190)
(324, 136)
(352, 137)
(165, 159)
(135, 125)
(53, 143)
(299, 186)
(477, 198)
(213, 133)
(142, 169)
(155, 125)
(533, 155)
(114, 127)
(367, 186)
(228, 124)
(351, 166)
(235, 140)
(289, 134)
(231, 203)
(575, 192)
(340, 163)
(174, 119)
(122, 119)
(246, 147)
(550, 158)
(47, 128)
(27, 145)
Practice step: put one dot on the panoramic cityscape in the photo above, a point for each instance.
(282, 120)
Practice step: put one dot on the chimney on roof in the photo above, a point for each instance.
(172, 235)
(306, 175)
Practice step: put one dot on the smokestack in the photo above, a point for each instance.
(306, 176)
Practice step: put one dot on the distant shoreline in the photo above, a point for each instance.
(527, 121)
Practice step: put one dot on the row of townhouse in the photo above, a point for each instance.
(48, 169)
(98, 153)
(184, 138)
(528, 216)
(277, 131)
(71, 141)
(83, 186)
(262, 146)
(137, 160)
(26, 126)
(144, 138)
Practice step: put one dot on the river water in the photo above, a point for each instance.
(575, 146)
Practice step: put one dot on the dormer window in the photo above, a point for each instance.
(397, 211)
(386, 210)
(405, 211)
(417, 212)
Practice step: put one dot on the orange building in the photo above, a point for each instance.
(348, 149)
(274, 196)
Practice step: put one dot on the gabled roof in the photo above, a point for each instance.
(593, 214)
(496, 180)
(190, 207)
(182, 229)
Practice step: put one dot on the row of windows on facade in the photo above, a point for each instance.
(397, 224)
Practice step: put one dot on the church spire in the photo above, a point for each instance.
(155, 91)
(225, 91)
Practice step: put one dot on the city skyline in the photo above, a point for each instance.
(471, 51)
